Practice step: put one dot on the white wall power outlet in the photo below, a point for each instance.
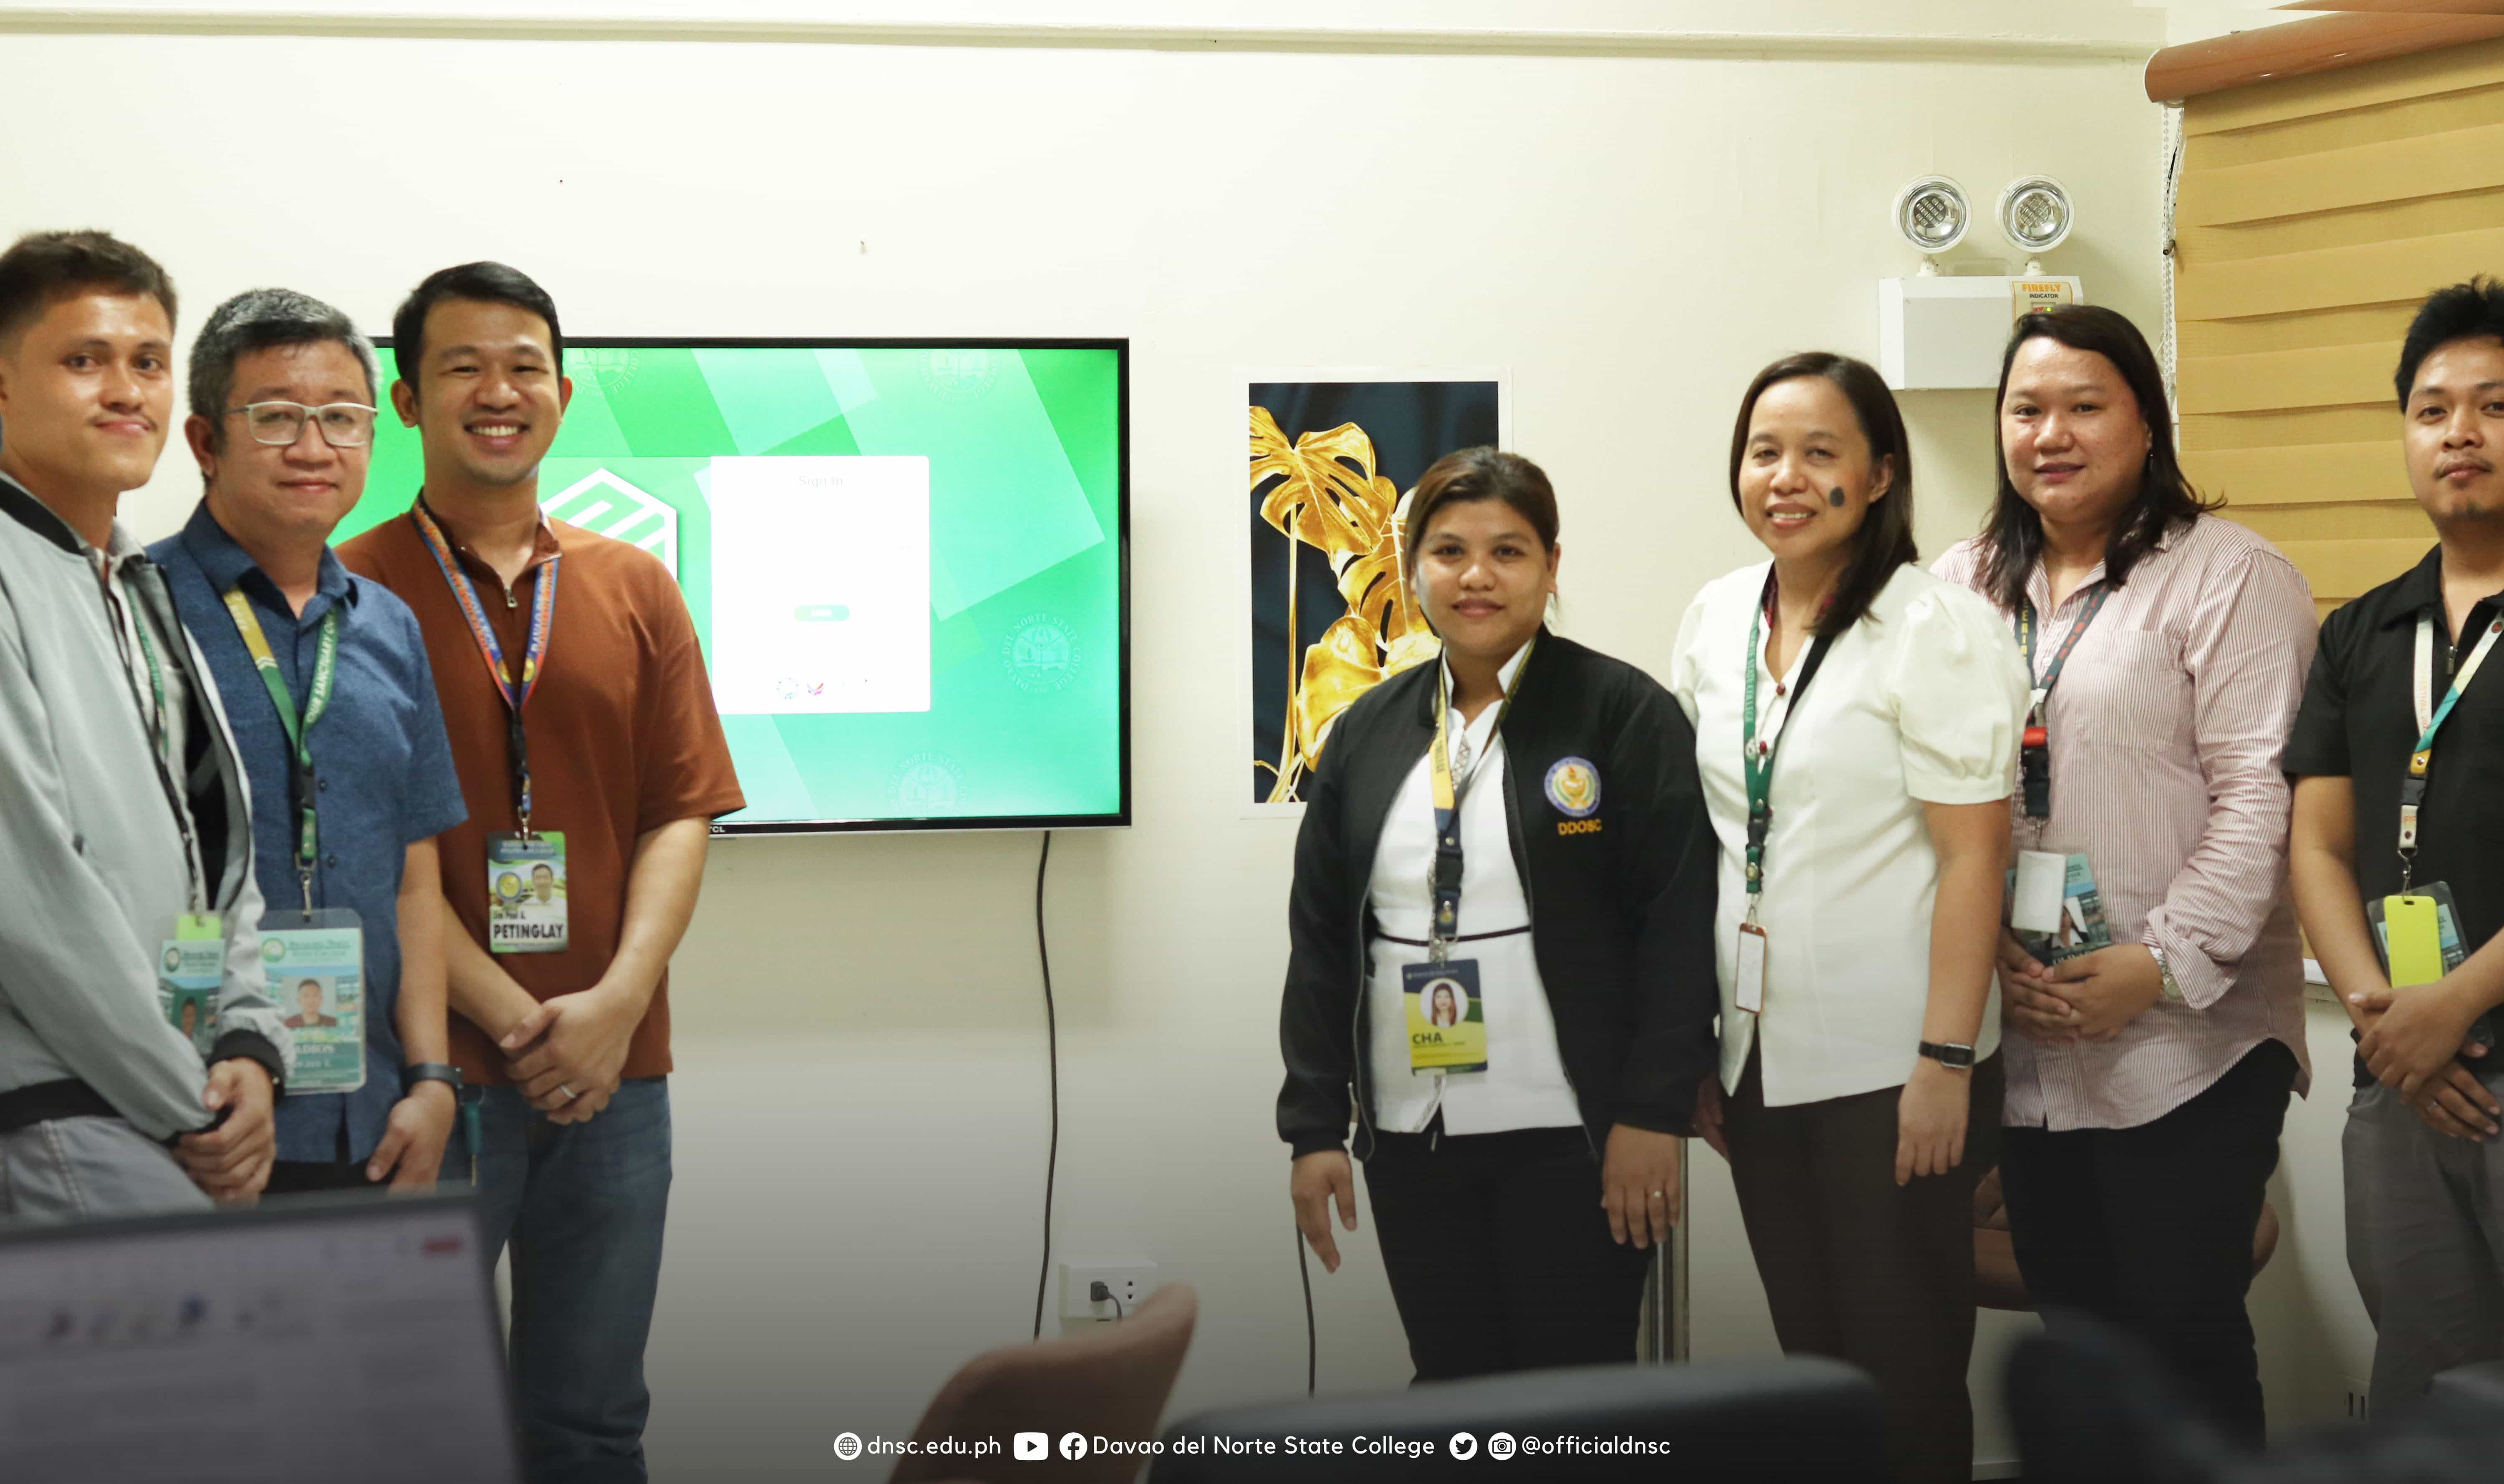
(1127, 1286)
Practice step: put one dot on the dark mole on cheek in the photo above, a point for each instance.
(1834, 498)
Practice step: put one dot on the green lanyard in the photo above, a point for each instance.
(1444, 885)
(156, 685)
(1756, 759)
(300, 734)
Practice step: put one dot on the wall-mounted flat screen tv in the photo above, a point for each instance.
(908, 562)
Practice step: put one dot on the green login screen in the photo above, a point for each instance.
(906, 562)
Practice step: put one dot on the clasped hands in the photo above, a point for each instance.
(230, 1161)
(568, 1053)
(2087, 998)
(2416, 1042)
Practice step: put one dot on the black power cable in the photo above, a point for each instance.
(1312, 1341)
(1052, 1042)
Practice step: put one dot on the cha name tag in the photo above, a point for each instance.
(1446, 1017)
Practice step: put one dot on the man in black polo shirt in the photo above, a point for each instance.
(2398, 867)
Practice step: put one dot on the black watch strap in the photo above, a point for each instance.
(429, 1071)
(253, 1046)
(1949, 1054)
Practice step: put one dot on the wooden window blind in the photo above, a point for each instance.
(2314, 214)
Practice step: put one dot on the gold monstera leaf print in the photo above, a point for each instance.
(1322, 491)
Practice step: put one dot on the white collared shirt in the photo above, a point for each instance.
(1924, 701)
(1524, 1084)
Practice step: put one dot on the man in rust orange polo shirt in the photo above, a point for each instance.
(584, 734)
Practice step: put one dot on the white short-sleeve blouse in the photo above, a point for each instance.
(1924, 701)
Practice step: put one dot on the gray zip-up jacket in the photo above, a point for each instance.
(95, 862)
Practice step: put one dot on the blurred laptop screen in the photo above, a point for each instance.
(303, 1342)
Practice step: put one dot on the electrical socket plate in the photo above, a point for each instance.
(1129, 1282)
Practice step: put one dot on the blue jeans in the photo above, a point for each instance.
(582, 1206)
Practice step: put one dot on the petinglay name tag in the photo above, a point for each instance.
(526, 893)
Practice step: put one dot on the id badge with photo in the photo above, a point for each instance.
(316, 967)
(1446, 1017)
(190, 966)
(526, 893)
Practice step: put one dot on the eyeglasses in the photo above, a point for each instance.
(343, 424)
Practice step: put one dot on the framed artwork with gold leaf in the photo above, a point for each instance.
(1333, 457)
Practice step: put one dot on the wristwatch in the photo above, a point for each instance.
(1949, 1054)
(2170, 989)
(431, 1071)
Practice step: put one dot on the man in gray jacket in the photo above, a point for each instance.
(125, 842)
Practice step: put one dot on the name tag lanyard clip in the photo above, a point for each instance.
(2035, 757)
(1757, 758)
(2430, 720)
(1444, 881)
(534, 650)
(300, 731)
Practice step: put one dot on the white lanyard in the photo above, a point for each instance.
(2430, 720)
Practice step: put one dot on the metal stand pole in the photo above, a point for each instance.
(1662, 1335)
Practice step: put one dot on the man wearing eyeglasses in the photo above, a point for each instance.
(326, 685)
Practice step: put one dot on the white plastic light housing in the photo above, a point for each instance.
(2035, 213)
(1933, 213)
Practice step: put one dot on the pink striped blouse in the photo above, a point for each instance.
(2165, 731)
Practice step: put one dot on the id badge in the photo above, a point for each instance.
(2418, 935)
(1446, 1017)
(190, 966)
(2034, 895)
(2078, 924)
(1749, 990)
(526, 893)
(316, 968)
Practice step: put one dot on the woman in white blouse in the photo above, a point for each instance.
(1856, 728)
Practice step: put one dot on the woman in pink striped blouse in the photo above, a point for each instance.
(2153, 974)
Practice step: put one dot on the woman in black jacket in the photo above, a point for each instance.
(1554, 883)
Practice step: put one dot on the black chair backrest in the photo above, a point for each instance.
(1794, 1419)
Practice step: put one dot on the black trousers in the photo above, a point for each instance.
(1860, 1268)
(2150, 1228)
(1499, 1254)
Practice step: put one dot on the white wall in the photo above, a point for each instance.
(861, 1076)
